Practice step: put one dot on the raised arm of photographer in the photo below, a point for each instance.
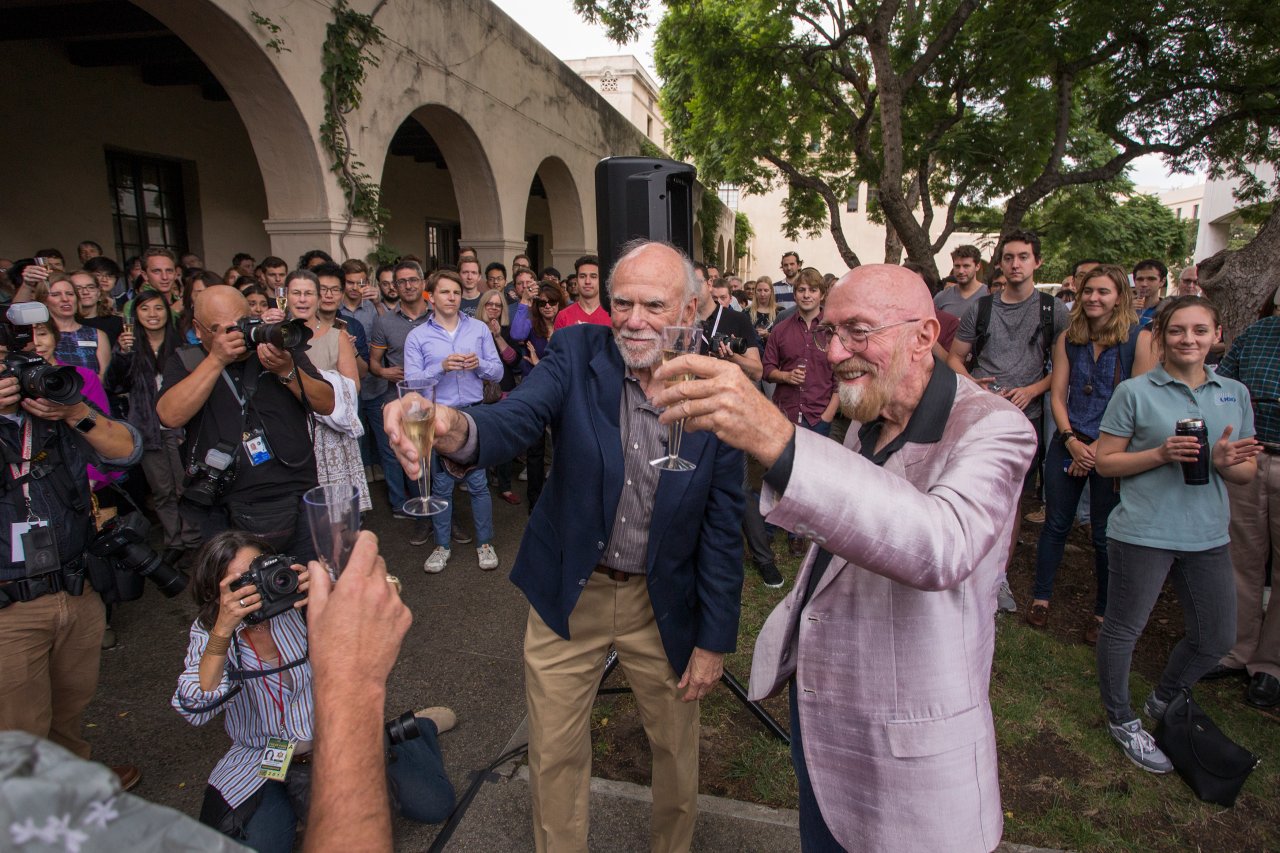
(179, 404)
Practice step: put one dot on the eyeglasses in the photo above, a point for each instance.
(852, 338)
(331, 291)
(401, 282)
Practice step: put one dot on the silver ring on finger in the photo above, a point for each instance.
(242, 603)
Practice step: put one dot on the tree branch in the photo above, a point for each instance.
(797, 178)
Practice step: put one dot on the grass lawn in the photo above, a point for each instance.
(1064, 784)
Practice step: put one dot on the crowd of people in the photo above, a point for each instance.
(900, 421)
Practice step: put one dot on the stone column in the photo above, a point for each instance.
(562, 259)
(291, 238)
(501, 251)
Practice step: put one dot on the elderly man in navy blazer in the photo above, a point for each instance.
(617, 552)
(885, 643)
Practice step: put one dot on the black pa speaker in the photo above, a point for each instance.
(642, 197)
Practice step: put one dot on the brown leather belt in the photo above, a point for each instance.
(305, 758)
(1270, 449)
(613, 574)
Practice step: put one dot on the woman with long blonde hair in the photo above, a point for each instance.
(1101, 348)
(765, 307)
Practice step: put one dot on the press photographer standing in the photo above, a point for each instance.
(248, 452)
(51, 620)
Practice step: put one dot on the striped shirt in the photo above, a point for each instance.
(1254, 359)
(643, 439)
(252, 716)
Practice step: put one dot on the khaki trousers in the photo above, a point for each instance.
(561, 679)
(1255, 535)
(49, 654)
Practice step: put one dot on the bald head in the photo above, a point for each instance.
(220, 306)
(890, 292)
(661, 260)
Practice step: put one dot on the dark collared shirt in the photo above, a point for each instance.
(925, 426)
(642, 440)
(789, 341)
(1254, 359)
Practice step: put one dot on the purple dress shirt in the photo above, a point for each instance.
(429, 344)
(790, 341)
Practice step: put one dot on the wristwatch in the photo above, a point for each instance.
(87, 423)
(1066, 436)
(290, 376)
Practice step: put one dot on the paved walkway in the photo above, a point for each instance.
(464, 651)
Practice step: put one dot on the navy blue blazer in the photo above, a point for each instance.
(694, 562)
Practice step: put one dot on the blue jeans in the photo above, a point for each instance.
(371, 414)
(477, 480)
(1062, 495)
(273, 825)
(815, 835)
(1206, 589)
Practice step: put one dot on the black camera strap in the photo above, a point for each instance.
(238, 677)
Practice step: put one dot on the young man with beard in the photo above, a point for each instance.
(1011, 353)
(885, 644)
(783, 294)
(966, 263)
(616, 553)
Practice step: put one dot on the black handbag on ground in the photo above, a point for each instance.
(1212, 764)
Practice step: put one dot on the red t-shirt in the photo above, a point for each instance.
(573, 315)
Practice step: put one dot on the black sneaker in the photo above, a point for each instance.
(770, 575)
(461, 536)
(401, 515)
(422, 532)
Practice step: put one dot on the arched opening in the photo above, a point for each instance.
(697, 242)
(720, 257)
(437, 186)
(147, 141)
(553, 215)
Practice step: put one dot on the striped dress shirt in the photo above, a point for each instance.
(252, 716)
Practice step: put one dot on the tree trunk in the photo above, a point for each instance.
(892, 245)
(1238, 280)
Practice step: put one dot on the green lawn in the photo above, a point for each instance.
(1064, 784)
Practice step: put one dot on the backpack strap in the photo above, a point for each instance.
(981, 329)
(1047, 305)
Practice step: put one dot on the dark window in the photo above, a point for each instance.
(147, 207)
(442, 243)
(873, 198)
(851, 205)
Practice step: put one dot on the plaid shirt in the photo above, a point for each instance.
(1254, 359)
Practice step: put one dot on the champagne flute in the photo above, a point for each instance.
(333, 513)
(677, 341)
(126, 328)
(418, 420)
(281, 298)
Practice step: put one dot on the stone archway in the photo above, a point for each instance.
(295, 179)
(556, 206)
(438, 185)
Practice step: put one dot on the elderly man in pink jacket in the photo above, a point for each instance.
(885, 642)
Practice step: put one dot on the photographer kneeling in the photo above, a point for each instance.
(245, 396)
(51, 621)
(248, 655)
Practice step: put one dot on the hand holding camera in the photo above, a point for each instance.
(228, 346)
(273, 584)
(10, 392)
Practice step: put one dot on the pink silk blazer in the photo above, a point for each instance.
(892, 654)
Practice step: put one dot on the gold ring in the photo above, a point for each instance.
(392, 579)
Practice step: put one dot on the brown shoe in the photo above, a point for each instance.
(443, 717)
(1091, 632)
(1038, 616)
(1036, 517)
(796, 547)
(128, 774)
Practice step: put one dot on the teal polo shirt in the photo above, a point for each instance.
(1157, 509)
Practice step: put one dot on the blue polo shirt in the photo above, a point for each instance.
(1157, 509)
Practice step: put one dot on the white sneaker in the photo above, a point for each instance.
(488, 557)
(1004, 598)
(524, 475)
(437, 561)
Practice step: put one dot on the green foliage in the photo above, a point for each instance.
(708, 219)
(347, 57)
(941, 104)
(275, 43)
(383, 254)
(742, 234)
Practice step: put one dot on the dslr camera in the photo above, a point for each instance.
(36, 377)
(737, 345)
(285, 335)
(208, 480)
(277, 583)
(123, 542)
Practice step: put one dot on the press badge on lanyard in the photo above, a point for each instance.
(256, 447)
(276, 758)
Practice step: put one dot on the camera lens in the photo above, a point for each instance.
(282, 580)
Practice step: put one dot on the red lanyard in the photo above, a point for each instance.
(24, 466)
(278, 702)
